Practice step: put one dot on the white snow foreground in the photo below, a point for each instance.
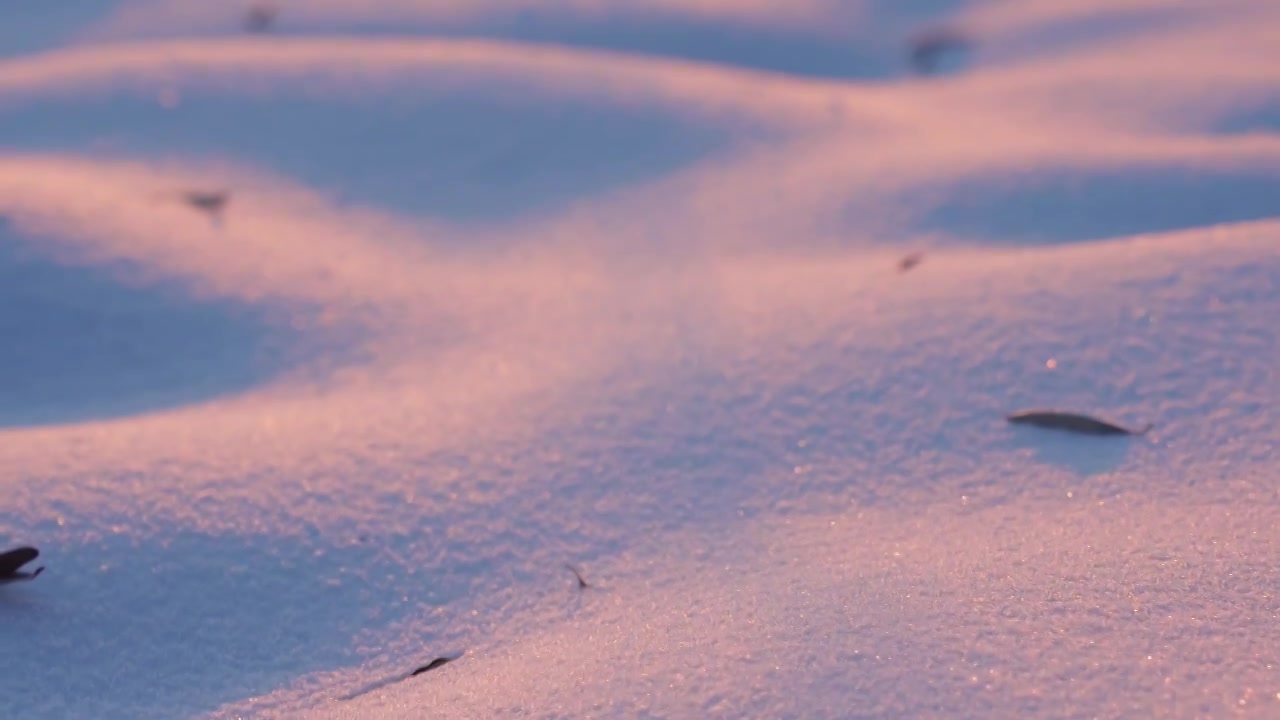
(579, 294)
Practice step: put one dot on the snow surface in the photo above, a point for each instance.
(508, 286)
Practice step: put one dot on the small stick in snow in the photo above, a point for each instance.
(582, 584)
(928, 48)
(16, 558)
(431, 665)
(260, 18)
(399, 678)
(910, 261)
(211, 202)
(1072, 422)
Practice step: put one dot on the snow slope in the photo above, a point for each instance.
(503, 287)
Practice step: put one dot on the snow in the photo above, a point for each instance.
(505, 287)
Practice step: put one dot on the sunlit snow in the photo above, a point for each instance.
(505, 290)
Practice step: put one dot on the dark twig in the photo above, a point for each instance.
(260, 18)
(443, 660)
(582, 584)
(1072, 422)
(910, 261)
(431, 665)
(928, 48)
(11, 561)
(212, 202)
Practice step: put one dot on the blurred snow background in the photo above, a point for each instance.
(505, 286)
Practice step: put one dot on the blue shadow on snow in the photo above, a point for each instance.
(460, 156)
(1074, 207)
(180, 626)
(76, 345)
